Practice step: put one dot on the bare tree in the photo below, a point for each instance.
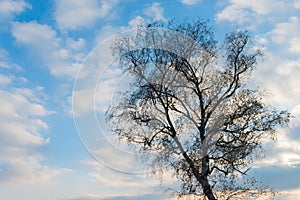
(188, 108)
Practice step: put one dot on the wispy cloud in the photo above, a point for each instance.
(147, 196)
(239, 11)
(190, 2)
(8, 9)
(286, 34)
(129, 186)
(22, 123)
(289, 194)
(155, 11)
(42, 42)
(74, 14)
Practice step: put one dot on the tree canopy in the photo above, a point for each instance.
(189, 108)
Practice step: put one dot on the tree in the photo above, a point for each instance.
(188, 108)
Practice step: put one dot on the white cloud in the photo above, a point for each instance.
(156, 12)
(296, 113)
(295, 45)
(280, 66)
(23, 169)
(147, 196)
(261, 7)
(272, 73)
(135, 22)
(73, 14)
(284, 152)
(106, 32)
(241, 11)
(289, 194)
(126, 184)
(286, 34)
(233, 13)
(190, 2)
(44, 43)
(33, 32)
(22, 125)
(76, 44)
(297, 4)
(5, 80)
(5, 61)
(97, 76)
(83, 101)
(10, 8)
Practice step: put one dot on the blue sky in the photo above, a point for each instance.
(44, 43)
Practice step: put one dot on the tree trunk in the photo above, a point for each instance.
(202, 178)
(205, 184)
(207, 189)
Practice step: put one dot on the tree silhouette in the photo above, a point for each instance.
(188, 108)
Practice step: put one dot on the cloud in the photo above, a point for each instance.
(22, 123)
(26, 169)
(297, 4)
(261, 7)
(106, 32)
(190, 2)
(278, 74)
(153, 12)
(289, 194)
(5, 80)
(135, 22)
(97, 78)
(74, 14)
(240, 11)
(137, 197)
(233, 13)
(286, 177)
(270, 76)
(46, 47)
(125, 185)
(123, 197)
(286, 34)
(108, 176)
(5, 62)
(8, 9)
(156, 12)
(280, 64)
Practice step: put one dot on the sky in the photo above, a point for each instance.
(51, 149)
